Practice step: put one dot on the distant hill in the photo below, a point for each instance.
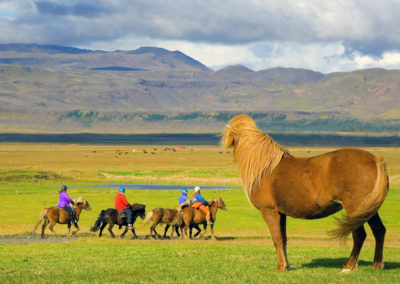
(62, 57)
(65, 89)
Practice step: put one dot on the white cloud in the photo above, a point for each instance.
(325, 36)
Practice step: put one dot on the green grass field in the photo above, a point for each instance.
(30, 176)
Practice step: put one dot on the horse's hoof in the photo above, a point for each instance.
(378, 265)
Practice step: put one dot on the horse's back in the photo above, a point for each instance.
(169, 215)
(317, 186)
(192, 215)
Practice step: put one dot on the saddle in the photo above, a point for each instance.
(121, 216)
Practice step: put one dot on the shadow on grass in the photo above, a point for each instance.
(340, 263)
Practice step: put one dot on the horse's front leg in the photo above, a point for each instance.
(277, 226)
(134, 233)
(204, 231)
(75, 231)
(126, 230)
(212, 231)
(69, 228)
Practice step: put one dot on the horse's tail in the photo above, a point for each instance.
(41, 217)
(98, 222)
(148, 217)
(368, 208)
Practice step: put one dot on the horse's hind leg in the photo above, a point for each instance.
(52, 224)
(359, 236)
(166, 230)
(110, 227)
(102, 228)
(379, 231)
(46, 222)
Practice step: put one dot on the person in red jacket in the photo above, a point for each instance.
(122, 204)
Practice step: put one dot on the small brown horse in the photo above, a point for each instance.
(111, 217)
(280, 185)
(191, 216)
(54, 215)
(170, 217)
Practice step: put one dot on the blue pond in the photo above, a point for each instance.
(162, 186)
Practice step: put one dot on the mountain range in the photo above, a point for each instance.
(48, 88)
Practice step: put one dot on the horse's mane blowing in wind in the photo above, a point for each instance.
(255, 152)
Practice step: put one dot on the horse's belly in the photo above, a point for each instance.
(315, 211)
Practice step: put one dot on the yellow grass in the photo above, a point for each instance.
(104, 163)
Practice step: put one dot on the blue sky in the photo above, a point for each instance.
(326, 36)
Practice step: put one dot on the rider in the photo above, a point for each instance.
(64, 202)
(122, 204)
(183, 197)
(200, 203)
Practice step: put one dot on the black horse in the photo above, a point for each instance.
(111, 217)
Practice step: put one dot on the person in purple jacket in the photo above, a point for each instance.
(64, 202)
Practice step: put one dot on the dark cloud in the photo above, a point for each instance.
(224, 22)
(66, 8)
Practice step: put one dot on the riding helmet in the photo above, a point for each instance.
(184, 191)
(197, 189)
(64, 188)
(121, 189)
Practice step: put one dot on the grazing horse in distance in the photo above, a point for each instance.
(281, 185)
(111, 217)
(191, 217)
(54, 215)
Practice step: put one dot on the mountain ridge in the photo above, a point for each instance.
(79, 90)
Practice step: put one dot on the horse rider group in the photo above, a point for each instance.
(197, 202)
(122, 204)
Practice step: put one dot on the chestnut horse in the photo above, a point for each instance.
(170, 217)
(191, 216)
(54, 215)
(110, 216)
(281, 185)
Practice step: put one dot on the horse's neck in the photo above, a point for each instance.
(213, 211)
(78, 211)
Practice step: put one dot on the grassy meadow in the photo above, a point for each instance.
(31, 174)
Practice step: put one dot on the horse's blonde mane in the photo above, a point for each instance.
(77, 200)
(255, 152)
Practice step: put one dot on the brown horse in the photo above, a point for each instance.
(170, 217)
(54, 215)
(191, 216)
(280, 185)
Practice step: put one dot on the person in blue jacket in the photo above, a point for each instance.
(183, 197)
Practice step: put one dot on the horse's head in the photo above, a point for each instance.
(236, 126)
(81, 201)
(139, 210)
(217, 202)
